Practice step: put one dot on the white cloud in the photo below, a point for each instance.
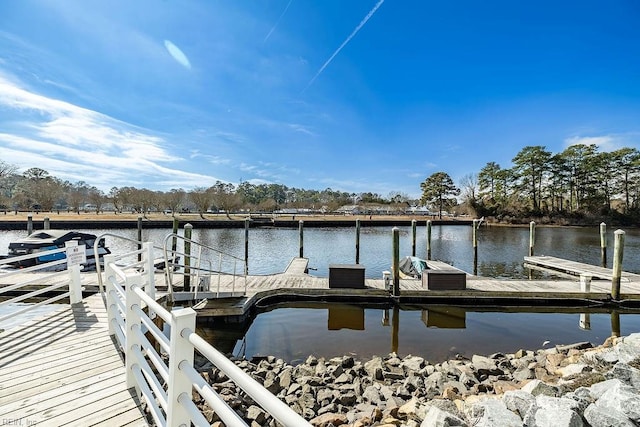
(177, 54)
(75, 143)
(606, 143)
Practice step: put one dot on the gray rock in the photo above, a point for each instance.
(523, 373)
(519, 402)
(437, 417)
(373, 368)
(325, 394)
(371, 394)
(598, 416)
(393, 373)
(257, 414)
(492, 413)
(622, 398)
(347, 399)
(552, 416)
(537, 387)
(598, 389)
(412, 363)
(625, 373)
(484, 365)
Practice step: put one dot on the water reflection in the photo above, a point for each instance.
(436, 332)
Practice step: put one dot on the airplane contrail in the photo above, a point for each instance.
(278, 21)
(344, 43)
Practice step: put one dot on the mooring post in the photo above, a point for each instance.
(246, 244)
(357, 241)
(532, 237)
(46, 224)
(29, 225)
(475, 246)
(174, 241)
(429, 239)
(618, 252)
(188, 229)
(395, 262)
(139, 237)
(615, 323)
(414, 223)
(603, 244)
(301, 232)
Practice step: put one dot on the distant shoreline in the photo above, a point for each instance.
(91, 220)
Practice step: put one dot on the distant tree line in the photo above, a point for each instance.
(37, 190)
(580, 184)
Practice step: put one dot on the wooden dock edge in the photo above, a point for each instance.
(468, 297)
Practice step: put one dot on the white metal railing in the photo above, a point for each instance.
(56, 275)
(167, 389)
(201, 266)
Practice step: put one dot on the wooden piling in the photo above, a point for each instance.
(246, 245)
(618, 252)
(428, 239)
(615, 323)
(29, 225)
(475, 246)
(414, 223)
(603, 244)
(532, 237)
(395, 262)
(357, 241)
(188, 231)
(395, 329)
(301, 233)
(139, 237)
(46, 223)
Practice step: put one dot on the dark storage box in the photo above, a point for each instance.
(444, 280)
(346, 276)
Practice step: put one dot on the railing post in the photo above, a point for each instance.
(603, 244)
(46, 224)
(532, 237)
(29, 224)
(188, 228)
(111, 304)
(618, 252)
(75, 281)
(301, 232)
(246, 244)
(132, 322)
(180, 351)
(429, 239)
(150, 273)
(395, 263)
(357, 241)
(414, 223)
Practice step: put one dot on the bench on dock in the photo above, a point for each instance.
(444, 279)
(346, 276)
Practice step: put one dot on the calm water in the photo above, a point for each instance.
(294, 332)
(500, 249)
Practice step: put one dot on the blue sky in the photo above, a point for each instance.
(353, 95)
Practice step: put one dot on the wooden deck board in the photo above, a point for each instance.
(63, 368)
(577, 268)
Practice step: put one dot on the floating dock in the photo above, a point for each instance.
(574, 268)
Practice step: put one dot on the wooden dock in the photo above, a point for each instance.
(575, 268)
(63, 368)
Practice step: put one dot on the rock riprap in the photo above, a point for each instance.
(570, 385)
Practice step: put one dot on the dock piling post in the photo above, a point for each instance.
(301, 232)
(188, 229)
(618, 252)
(357, 241)
(246, 244)
(603, 244)
(395, 263)
(29, 225)
(413, 237)
(139, 237)
(46, 223)
(475, 246)
(585, 282)
(532, 237)
(429, 239)
(615, 323)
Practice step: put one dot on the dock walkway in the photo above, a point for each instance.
(575, 268)
(63, 368)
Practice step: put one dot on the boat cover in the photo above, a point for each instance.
(412, 266)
